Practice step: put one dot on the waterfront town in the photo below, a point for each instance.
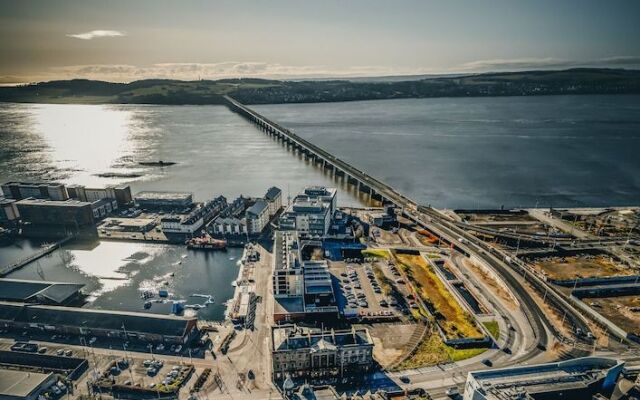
(329, 301)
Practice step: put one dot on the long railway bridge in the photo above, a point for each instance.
(427, 217)
(364, 183)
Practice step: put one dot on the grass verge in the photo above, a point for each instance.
(493, 328)
(377, 253)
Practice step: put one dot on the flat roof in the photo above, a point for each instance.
(20, 383)
(291, 337)
(33, 183)
(282, 249)
(136, 222)
(58, 203)
(541, 378)
(23, 290)
(288, 305)
(146, 323)
(153, 195)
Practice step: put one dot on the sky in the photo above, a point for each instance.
(129, 40)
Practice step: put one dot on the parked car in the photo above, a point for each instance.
(452, 392)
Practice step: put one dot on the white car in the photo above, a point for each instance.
(452, 392)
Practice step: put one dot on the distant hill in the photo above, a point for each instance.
(262, 91)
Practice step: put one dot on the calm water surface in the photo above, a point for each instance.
(455, 153)
(217, 153)
(485, 152)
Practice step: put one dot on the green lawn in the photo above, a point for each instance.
(493, 328)
(377, 253)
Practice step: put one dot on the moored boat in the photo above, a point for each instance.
(206, 243)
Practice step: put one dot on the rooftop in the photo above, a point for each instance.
(156, 195)
(25, 290)
(130, 222)
(258, 207)
(169, 325)
(5, 201)
(272, 193)
(564, 375)
(292, 337)
(34, 184)
(20, 383)
(58, 203)
(284, 251)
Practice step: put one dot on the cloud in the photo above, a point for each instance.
(229, 69)
(96, 34)
(548, 63)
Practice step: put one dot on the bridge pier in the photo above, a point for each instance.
(312, 154)
(377, 196)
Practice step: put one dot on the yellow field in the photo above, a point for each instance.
(454, 320)
(433, 351)
(377, 253)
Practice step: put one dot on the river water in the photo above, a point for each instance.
(455, 153)
(485, 152)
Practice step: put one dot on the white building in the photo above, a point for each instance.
(229, 226)
(311, 211)
(177, 224)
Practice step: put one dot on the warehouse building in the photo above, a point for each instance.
(45, 191)
(164, 200)
(313, 353)
(100, 323)
(121, 194)
(41, 292)
(576, 379)
(70, 213)
(24, 385)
